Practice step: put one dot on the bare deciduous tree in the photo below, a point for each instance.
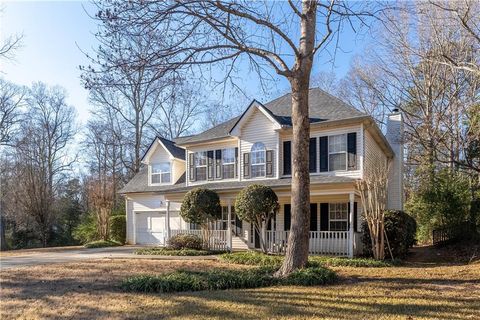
(42, 153)
(373, 194)
(282, 37)
(11, 100)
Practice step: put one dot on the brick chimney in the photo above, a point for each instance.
(395, 136)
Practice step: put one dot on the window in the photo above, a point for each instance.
(337, 152)
(257, 155)
(160, 173)
(228, 163)
(338, 216)
(201, 165)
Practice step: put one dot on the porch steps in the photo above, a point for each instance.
(239, 244)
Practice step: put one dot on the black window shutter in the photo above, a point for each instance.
(287, 157)
(287, 217)
(352, 150)
(246, 165)
(236, 162)
(269, 163)
(218, 164)
(313, 155)
(210, 165)
(323, 154)
(313, 217)
(191, 165)
(323, 216)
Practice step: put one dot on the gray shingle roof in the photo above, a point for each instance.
(322, 107)
(176, 152)
(139, 183)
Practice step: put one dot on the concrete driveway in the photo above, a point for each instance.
(33, 257)
(60, 255)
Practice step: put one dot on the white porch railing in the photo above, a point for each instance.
(321, 242)
(217, 240)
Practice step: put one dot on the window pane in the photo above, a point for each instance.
(166, 177)
(228, 171)
(337, 143)
(155, 178)
(258, 170)
(201, 158)
(201, 173)
(156, 168)
(337, 161)
(165, 166)
(228, 155)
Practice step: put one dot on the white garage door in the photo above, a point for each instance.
(150, 228)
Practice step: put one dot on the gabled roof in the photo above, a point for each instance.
(248, 112)
(322, 107)
(169, 145)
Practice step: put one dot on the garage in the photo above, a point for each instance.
(150, 228)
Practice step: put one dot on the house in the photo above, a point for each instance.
(256, 148)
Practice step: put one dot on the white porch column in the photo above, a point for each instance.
(167, 220)
(229, 225)
(350, 231)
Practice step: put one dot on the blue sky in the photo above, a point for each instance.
(54, 32)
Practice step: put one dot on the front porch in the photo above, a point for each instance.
(334, 226)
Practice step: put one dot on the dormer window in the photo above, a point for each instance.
(160, 173)
(258, 163)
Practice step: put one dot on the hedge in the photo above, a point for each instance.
(118, 228)
(184, 280)
(400, 229)
(185, 241)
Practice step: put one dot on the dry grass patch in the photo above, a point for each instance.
(91, 290)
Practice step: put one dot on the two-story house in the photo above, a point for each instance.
(256, 148)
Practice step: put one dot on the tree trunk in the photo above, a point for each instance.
(297, 249)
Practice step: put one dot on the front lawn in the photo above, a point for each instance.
(91, 289)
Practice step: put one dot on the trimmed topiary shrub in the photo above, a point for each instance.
(185, 241)
(118, 228)
(257, 204)
(200, 205)
(184, 280)
(400, 228)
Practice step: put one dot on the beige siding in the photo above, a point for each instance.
(129, 211)
(320, 132)
(178, 168)
(258, 129)
(373, 154)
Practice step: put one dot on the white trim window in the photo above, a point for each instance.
(258, 155)
(338, 216)
(201, 165)
(337, 152)
(160, 173)
(228, 163)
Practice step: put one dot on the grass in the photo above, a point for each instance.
(221, 279)
(174, 252)
(102, 244)
(88, 290)
(263, 260)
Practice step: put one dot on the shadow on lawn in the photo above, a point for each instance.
(344, 300)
